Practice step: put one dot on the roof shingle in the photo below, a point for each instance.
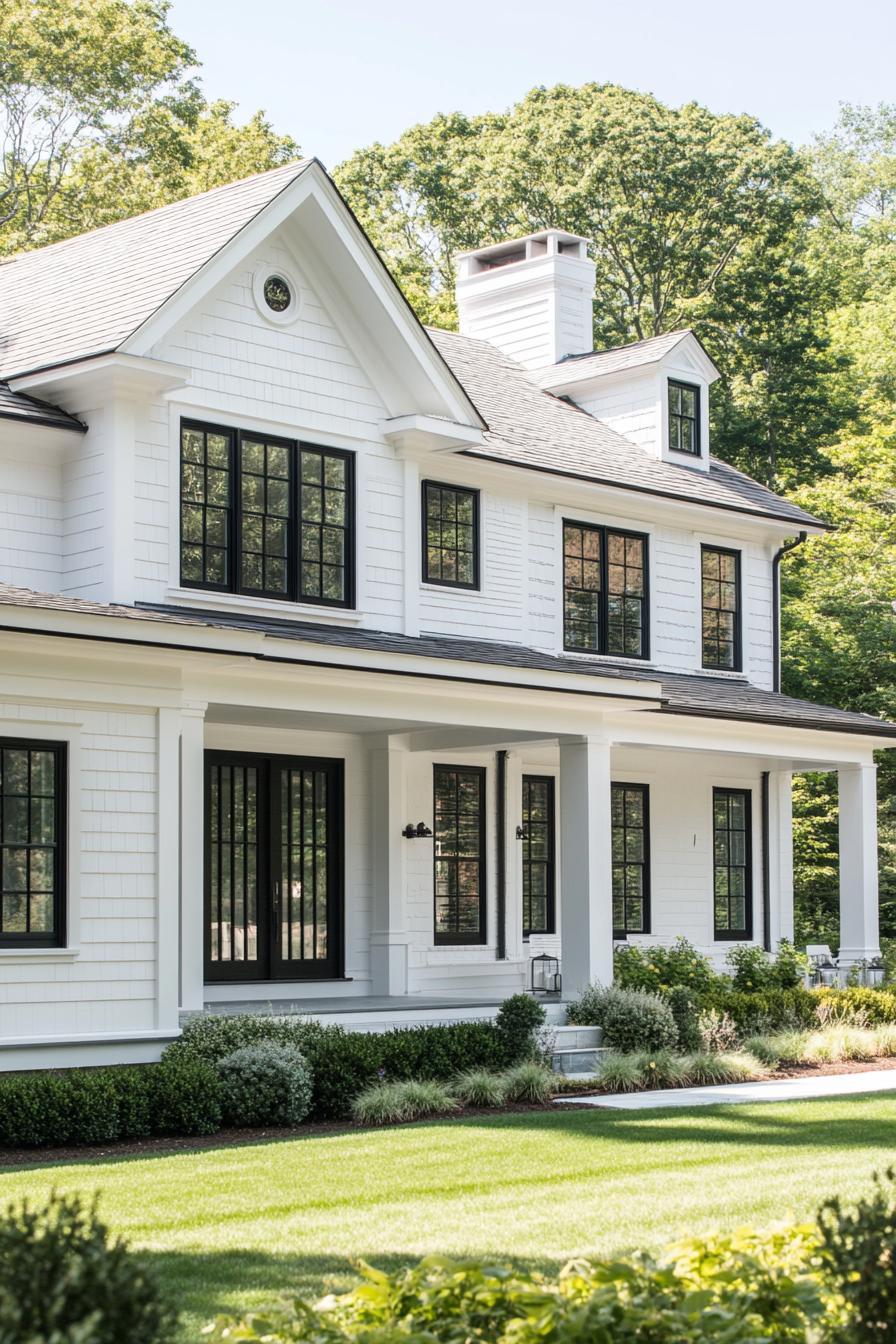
(19, 406)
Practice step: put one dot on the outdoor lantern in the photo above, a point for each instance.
(545, 974)
(419, 832)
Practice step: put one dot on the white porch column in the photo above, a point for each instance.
(192, 849)
(859, 908)
(167, 869)
(513, 909)
(780, 866)
(388, 815)
(586, 905)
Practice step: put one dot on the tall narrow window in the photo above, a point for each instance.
(604, 591)
(732, 863)
(266, 517)
(538, 854)
(32, 855)
(720, 586)
(630, 822)
(450, 535)
(684, 418)
(459, 849)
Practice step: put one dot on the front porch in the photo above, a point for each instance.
(403, 909)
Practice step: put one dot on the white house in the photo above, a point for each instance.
(350, 665)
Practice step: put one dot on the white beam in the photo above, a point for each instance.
(389, 938)
(586, 906)
(859, 905)
(167, 866)
(780, 865)
(192, 891)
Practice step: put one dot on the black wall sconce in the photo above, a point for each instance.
(522, 833)
(419, 832)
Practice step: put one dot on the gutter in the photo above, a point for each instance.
(501, 856)
(766, 866)
(776, 606)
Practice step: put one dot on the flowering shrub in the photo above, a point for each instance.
(659, 968)
(630, 1019)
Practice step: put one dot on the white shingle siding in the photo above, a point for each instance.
(30, 523)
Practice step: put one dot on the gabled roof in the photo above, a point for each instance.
(531, 428)
(692, 694)
(86, 295)
(19, 406)
(594, 363)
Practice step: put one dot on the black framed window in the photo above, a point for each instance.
(267, 517)
(450, 535)
(459, 853)
(538, 855)
(32, 843)
(605, 590)
(732, 863)
(630, 838)
(684, 418)
(720, 603)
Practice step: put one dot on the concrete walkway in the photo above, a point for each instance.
(779, 1089)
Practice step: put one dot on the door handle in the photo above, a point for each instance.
(275, 906)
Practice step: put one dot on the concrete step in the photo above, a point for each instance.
(576, 1038)
(575, 1063)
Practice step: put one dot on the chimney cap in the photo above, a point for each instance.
(546, 242)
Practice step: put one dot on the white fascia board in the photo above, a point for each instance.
(429, 434)
(788, 745)
(575, 375)
(104, 376)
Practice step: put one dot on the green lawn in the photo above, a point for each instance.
(235, 1226)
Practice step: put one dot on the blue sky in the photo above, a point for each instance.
(340, 75)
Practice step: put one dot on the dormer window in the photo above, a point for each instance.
(684, 418)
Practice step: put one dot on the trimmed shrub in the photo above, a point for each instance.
(764, 1012)
(683, 1003)
(133, 1093)
(529, 1082)
(215, 1035)
(185, 1097)
(518, 1019)
(392, 1103)
(265, 1084)
(658, 967)
(631, 1019)
(63, 1280)
(479, 1087)
(34, 1110)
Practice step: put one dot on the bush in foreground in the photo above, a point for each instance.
(265, 1084)
(630, 1018)
(395, 1103)
(64, 1281)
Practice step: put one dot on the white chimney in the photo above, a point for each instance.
(533, 298)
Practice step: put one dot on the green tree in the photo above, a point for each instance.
(692, 219)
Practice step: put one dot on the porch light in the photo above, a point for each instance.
(545, 975)
(419, 832)
(522, 833)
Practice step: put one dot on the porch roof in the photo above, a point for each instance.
(695, 694)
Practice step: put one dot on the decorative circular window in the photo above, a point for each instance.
(277, 293)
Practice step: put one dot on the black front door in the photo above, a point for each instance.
(273, 867)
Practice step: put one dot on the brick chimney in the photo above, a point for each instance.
(533, 298)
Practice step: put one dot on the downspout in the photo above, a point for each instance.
(766, 867)
(501, 855)
(776, 606)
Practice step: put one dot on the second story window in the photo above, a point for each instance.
(684, 418)
(604, 590)
(32, 853)
(720, 602)
(450, 535)
(265, 517)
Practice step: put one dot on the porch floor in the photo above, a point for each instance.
(373, 1012)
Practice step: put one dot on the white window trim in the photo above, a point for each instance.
(70, 734)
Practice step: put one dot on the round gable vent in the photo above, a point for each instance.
(276, 294)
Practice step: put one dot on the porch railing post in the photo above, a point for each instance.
(586, 904)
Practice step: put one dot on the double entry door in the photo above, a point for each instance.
(273, 867)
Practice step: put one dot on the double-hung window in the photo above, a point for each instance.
(266, 517)
(538, 854)
(630, 839)
(32, 843)
(732, 863)
(684, 418)
(450, 535)
(604, 590)
(720, 602)
(459, 853)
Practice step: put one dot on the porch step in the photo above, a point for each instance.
(576, 1038)
(577, 1063)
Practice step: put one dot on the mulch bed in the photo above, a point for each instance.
(231, 1138)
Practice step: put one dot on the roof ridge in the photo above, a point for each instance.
(297, 165)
